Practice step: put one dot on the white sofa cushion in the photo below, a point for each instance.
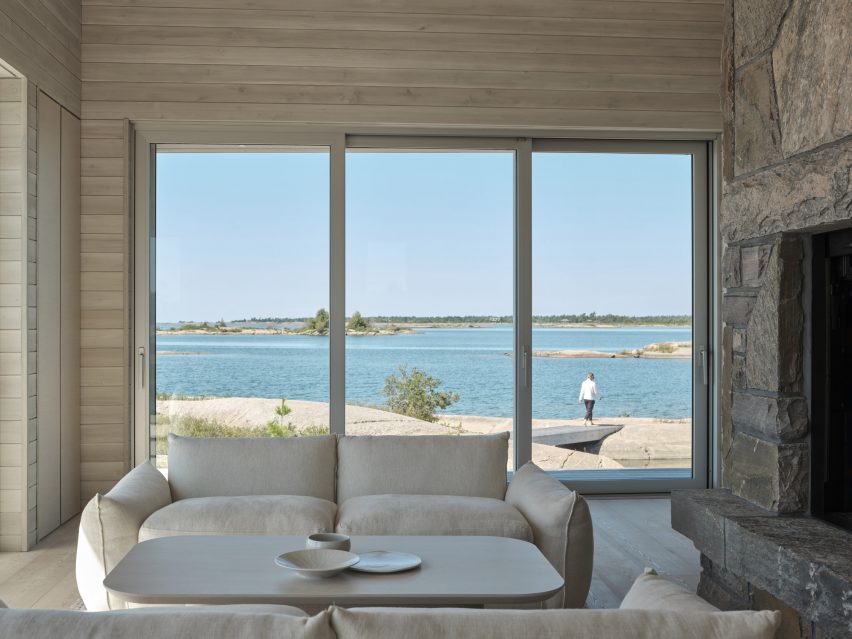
(401, 623)
(431, 515)
(223, 466)
(562, 529)
(250, 515)
(109, 528)
(470, 466)
(652, 592)
(208, 622)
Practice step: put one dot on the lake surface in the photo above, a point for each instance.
(471, 362)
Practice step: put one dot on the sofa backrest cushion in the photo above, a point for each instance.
(470, 466)
(222, 467)
(401, 623)
(203, 623)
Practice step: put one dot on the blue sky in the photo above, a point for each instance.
(246, 234)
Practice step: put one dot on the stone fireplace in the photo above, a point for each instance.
(787, 180)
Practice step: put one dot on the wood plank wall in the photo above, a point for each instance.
(13, 294)
(39, 39)
(633, 65)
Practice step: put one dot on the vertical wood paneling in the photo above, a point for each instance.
(49, 314)
(13, 283)
(69, 401)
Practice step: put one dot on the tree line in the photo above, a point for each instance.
(568, 318)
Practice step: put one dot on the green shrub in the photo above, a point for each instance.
(358, 324)
(416, 394)
(318, 322)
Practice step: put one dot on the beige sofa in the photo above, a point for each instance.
(653, 609)
(425, 485)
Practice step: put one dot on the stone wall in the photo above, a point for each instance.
(787, 173)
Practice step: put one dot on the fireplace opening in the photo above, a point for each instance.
(831, 381)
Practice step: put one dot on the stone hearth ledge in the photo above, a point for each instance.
(804, 562)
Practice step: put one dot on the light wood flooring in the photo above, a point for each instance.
(630, 534)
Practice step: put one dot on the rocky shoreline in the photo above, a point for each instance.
(641, 442)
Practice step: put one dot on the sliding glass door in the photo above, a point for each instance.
(371, 285)
(617, 310)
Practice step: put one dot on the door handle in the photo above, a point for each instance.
(525, 366)
(141, 358)
(705, 367)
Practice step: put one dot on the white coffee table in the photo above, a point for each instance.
(456, 571)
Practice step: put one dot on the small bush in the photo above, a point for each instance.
(416, 394)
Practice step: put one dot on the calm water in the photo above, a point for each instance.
(470, 361)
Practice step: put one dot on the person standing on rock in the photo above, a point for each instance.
(588, 395)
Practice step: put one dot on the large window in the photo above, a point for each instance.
(241, 271)
(380, 285)
(429, 272)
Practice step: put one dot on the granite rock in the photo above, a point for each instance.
(804, 562)
(736, 309)
(774, 345)
(726, 434)
(740, 380)
(756, 25)
(739, 340)
(811, 63)
(721, 587)
(757, 136)
(809, 193)
(779, 418)
(700, 515)
(731, 267)
(773, 476)
(753, 263)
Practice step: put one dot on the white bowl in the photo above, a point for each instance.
(334, 541)
(317, 563)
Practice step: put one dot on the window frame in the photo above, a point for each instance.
(147, 136)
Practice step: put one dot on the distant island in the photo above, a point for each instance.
(400, 324)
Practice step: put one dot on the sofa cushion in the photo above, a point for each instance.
(204, 622)
(109, 528)
(431, 515)
(562, 529)
(211, 467)
(402, 623)
(470, 466)
(250, 515)
(652, 592)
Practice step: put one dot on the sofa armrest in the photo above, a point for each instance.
(562, 530)
(109, 528)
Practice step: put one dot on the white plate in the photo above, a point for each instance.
(384, 561)
(317, 562)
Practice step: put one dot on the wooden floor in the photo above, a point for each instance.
(630, 534)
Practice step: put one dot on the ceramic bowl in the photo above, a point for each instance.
(333, 541)
(317, 563)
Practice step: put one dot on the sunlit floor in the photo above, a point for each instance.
(630, 534)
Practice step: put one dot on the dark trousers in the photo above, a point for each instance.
(590, 406)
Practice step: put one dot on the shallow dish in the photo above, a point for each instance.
(317, 563)
(386, 561)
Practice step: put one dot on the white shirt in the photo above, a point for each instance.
(589, 390)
